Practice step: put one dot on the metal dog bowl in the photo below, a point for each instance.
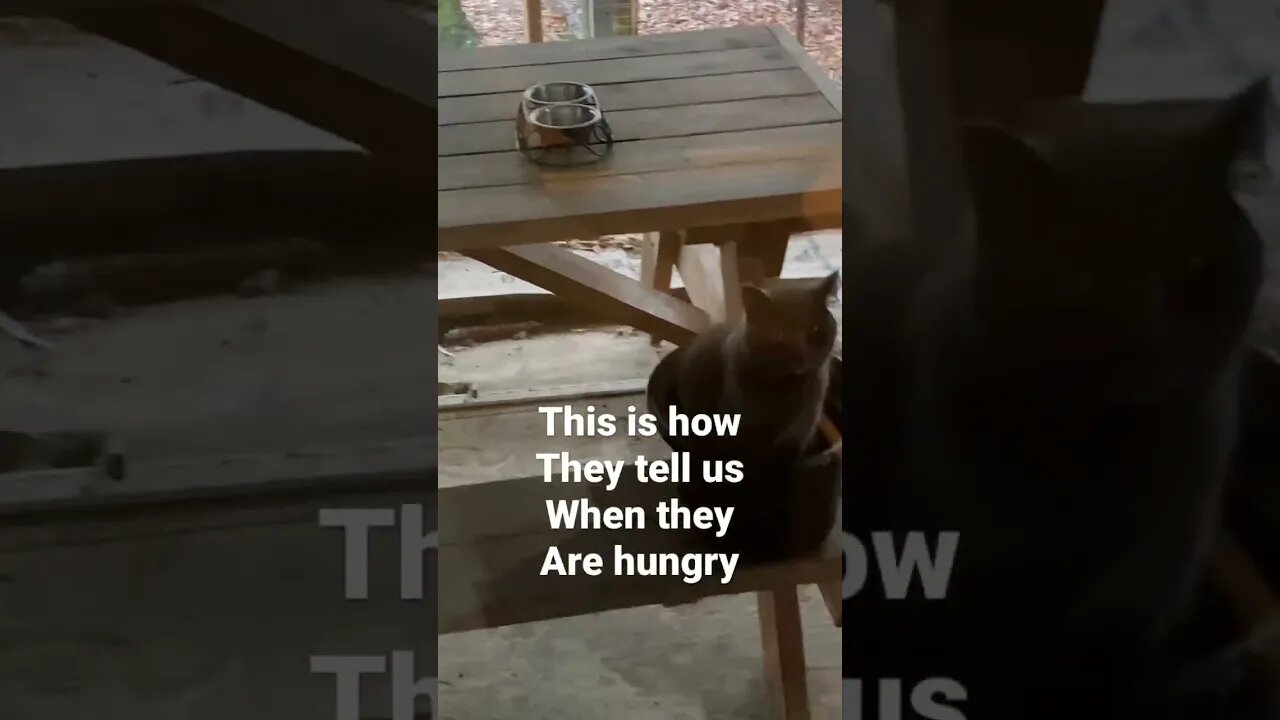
(559, 93)
(561, 123)
(564, 116)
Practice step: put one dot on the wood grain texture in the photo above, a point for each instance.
(783, 638)
(747, 147)
(632, 125)
(564, 273)
(609, 48)
(806, 63)
(641, 95)
(677, 165)
(700, 269)
(219, 476)
(493, 217)
(351, 68)
(603, 72)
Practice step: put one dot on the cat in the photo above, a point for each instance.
(1058, 385)
(770, 366)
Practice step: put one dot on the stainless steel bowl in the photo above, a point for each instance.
(565, 117)
(559, 93)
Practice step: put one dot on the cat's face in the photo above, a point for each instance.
(1110, 250)
(790, 327)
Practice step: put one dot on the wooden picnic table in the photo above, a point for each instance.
(727, 135)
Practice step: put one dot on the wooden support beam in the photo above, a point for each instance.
(580, 280)
(533, 20)
(658, 260)
(405, 462)
(287, 191)
(361, 70)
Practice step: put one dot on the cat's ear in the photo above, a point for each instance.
(1239, 127)
(755, 301)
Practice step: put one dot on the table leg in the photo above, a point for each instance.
(766, 243)
(658, 259)
(783, 640)
(701, 272)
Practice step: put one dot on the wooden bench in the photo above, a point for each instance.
(180, 608)
(494, 533)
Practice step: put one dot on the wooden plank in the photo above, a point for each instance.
(543, 395)
(288, 191)
(658, 260)
(642, 95)
(644, 156)
(790, 227)
(165, 481)
(782, 635)
(805, 62)
(494, 538)
(610, 48)
(223, 618)
(492, 217)
(699, 267)
(734, 271)
(657, 264)
(603, 72)
(463, 461)
(354, 69)
(95, 525)
(537, 306)
(630, 125)
(566, 274)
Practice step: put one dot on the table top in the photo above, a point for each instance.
(711, 128)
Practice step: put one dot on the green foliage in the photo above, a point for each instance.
(456, 31)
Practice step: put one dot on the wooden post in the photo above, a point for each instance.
(533, 20)
(802, 10)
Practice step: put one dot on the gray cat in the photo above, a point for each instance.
(771, 367)
(1061, 387)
